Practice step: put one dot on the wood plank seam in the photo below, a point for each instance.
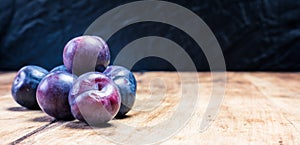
(258, 108)
(32, 133)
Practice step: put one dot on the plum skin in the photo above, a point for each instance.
(52, 94)
(94, 98)
(84, 43)
(25, 85)
(59, 68)
(126, 82)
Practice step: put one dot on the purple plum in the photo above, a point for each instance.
(126, 83)
(88, 50)
(52, 94)
(25, 85)
(59, 68)
(94, 98)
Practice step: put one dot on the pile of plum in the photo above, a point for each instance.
(94, 97)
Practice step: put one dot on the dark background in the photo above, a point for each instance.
(255, 35)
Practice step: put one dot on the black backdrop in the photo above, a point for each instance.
(255, 35)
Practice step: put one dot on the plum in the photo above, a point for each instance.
(25, 85)
(59, 68)
(52, 94)
(86, 53)
(125, 81)
(94, 98)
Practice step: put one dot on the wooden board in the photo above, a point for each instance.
(258, 108)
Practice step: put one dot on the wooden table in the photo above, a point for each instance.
(258, 108)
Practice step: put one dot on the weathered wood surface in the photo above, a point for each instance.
(258, 108)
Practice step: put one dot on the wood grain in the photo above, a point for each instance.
(258, 108)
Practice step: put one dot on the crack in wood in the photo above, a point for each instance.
(32, 133)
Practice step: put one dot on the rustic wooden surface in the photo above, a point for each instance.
(258, 108)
